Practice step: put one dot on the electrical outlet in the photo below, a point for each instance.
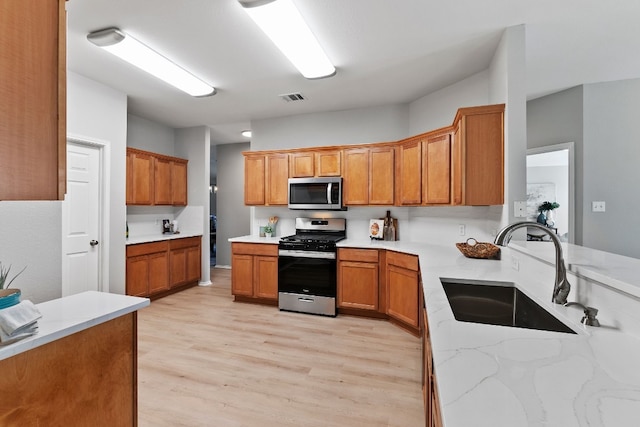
(515, 263)
(598, 206)
(461, 229)
(520, 209)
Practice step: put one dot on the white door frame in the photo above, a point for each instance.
(104, 221)
(572, 179)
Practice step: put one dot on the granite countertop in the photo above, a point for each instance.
(65, 316)
(134, 240)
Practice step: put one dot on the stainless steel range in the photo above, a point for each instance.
(307, 266)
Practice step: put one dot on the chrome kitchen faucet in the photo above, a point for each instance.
(561, 287)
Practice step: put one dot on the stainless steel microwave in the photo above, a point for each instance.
(315, 193)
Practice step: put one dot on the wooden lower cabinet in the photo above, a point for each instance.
(358, 279)
(88, 378)
(254, 272)
(403, 289)
(158, 268)
(432, 412)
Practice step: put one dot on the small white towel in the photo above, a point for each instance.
(16, 319)
(17, 336)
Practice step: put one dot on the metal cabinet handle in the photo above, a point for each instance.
(93, 242)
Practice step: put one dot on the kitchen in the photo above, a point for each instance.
(107, 120)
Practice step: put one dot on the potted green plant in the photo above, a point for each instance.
(8, 297)
(268, 230)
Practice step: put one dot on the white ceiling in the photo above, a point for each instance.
(385, 52)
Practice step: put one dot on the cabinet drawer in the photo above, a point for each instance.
(147, 248)
(409, 262)
(362, 255)
(187, 242)
(254, 249)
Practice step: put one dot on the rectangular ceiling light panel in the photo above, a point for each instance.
(137, 53)
(282, 23)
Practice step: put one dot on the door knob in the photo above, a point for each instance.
(93, 242)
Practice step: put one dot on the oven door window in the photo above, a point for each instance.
(309, 276)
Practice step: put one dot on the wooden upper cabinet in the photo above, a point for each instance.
(381, 175)
(33, 94)
(141, 174)
(155, 179)
(356, 177)
(436, 173)
(478, 156)
(307, 164)
(179, 189)
(162, 181)
(302, 165)
(254, 179)
(277, 179)
(329, 163)
(409, 173)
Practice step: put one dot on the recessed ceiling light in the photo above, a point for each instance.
(122, 45)
(246, 133)
(282, 23)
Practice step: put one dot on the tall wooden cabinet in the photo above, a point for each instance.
(369, 176)
(436, 169)
(266, 179)
(33, 94)
(409, 172)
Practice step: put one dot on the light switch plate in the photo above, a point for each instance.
(520, 209)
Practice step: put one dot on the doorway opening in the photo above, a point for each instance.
(550, 178)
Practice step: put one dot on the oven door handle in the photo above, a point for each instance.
(306, 254)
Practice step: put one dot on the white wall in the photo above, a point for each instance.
(194, 145)
(150, 136)
(98, 112)
(438, 109)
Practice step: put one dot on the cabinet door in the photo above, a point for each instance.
(358, 285)
(436, 161)
(242, 275)
(265, 277)
(254, 179)
(33, 100)
(141, 179)
(158, 272)
(162, 181)
(129, 183)
(329, 163)
(456, 165)
(179, 183)
(194, 262)
(138, 276)
(301, 165)
(277, 183)
(178, 259)
(381, 176)
(402, 291)
(356, 177)
(409, 173)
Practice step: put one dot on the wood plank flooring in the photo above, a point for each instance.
(204, 360)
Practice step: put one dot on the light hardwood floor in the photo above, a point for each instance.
(207, 361)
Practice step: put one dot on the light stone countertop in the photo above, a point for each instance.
(134, 240)
(65, 316)
(498, 376)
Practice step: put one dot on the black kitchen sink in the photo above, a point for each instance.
(498, 303)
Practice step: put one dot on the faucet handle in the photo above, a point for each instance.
(590, 314)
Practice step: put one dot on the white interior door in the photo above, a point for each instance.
(81, 221)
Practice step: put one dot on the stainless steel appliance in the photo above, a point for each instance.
(315, 193)
(307, 266)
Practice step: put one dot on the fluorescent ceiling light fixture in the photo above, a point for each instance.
(142, 56)
(283, 24)
(246, 133)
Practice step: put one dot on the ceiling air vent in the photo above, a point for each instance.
(292, 97)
